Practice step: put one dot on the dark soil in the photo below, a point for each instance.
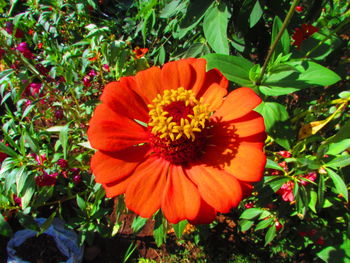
(47, 253)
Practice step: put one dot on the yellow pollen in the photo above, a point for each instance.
(164, 126)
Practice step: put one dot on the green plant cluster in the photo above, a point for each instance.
(56, 56)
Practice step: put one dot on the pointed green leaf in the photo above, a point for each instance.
(255, 15)
(251, 213)
(234, 68)
(215, 28)
(270, 235)
(5, 228)
(339, 184)
(179, 228)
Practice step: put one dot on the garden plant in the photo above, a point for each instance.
(178, 130)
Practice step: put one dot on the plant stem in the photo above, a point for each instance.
(275, 42)
(344, 23)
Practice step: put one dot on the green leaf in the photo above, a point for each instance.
(340, 252)
(338, 147)
(48, 222)
(27, 221)
(29, 192)
(270, 235)
(255, 15)
(159, 232)
(320, 192)
(7, 150)
(215, 28)
(277, 182)
(284, 43)
(81, 203)
(313, 201)
(339, 162)
(272, 165)
(179, 228)
(234, 68)
(138, 223)
(339, 184)
(272, 112)
(172, 8)
(5, 228)
(63, 137)
(312, 74)
(21, 179)
(251, 213)
(245, 225)
(264, 224)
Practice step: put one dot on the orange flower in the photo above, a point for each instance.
(140, 52)
(199, 152)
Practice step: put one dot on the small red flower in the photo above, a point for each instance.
(320, 241)
(62, 163)
(140, 52)
(286, 191)
(310, 177)
(285, 154)
(33, 89)
(17, 200)
(278, 225)
(201, 150)
(105, 67)
(59, 114)
(299, 8)
(24, 49)
(40, 45)
(303, 33)
(31, 32)
(46, 179)
(249, 205)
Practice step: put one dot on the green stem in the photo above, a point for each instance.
(344, 23)
(275, 42)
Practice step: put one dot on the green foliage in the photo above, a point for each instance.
(300, 208)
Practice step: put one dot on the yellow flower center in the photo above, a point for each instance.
(177, 113)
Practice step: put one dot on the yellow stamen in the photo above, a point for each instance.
(163, 125)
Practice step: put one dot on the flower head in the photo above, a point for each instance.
(33, 89)
(286, 191)
(171, 138)
(24, 49)
(140, 52)
(303, 33)
(46, 179)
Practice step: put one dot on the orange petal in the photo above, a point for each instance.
(177, 74)
(213, 76)
(112, 166)
(149, 83)
(248, 164)
(214, 96)
(111, 132)
(118, 187)
(199, 65)
(218, 188)
(205, 215)
(144, 192)
(250, 124)
(181, 199)
(237, 104)
(121, 98)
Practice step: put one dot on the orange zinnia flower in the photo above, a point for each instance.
(199, 152)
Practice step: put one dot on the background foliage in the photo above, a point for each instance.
(56, 56)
